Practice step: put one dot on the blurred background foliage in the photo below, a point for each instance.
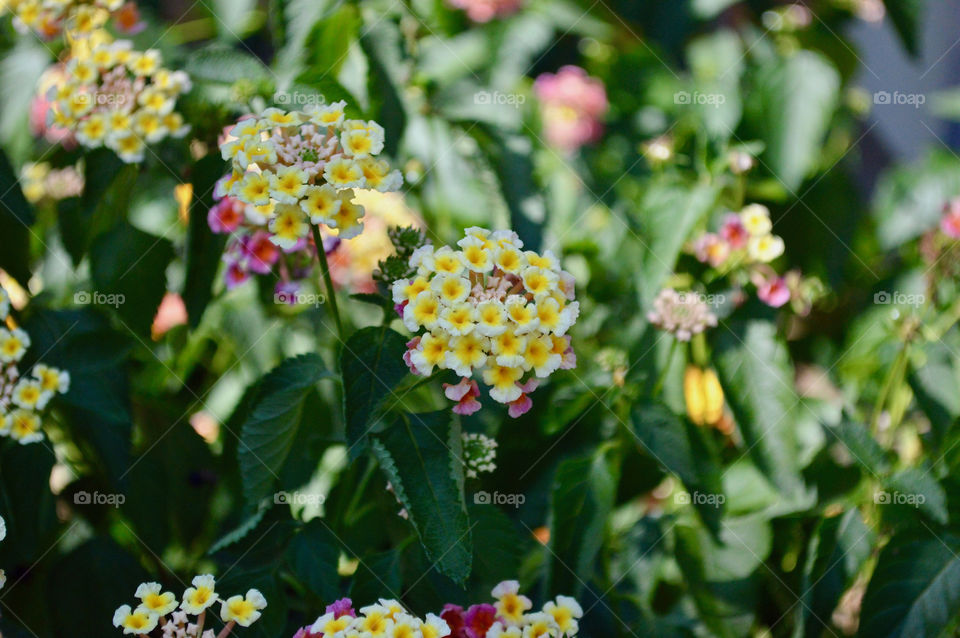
(830, 408)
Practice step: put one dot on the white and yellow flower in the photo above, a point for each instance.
(434, 627)
(756, 220)
(243, 610)
(566, 611)
(503, 382)
(511, 605)
(288, 226)
(137, 623)
(200, 596)
(466, 353)
(321, 204)
(154, 600)
(765, 248)
(491, 318)
(29, 395)
(23, 426)
(343, 172)
(422, 312)
(13, 345)
(431, 352)
(330, 625)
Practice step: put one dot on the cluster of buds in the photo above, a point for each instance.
(684, 314)
(572, 105)
(77, 19)
(111, 95)
(23, 398)
(509, 617)
(704, 399)
(405, 241)
(479, 454)
(42, 182)
(187, 617)
(490, 309)
(487, 10)
(293, 169)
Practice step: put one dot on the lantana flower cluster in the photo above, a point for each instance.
(683, 314)
(187, 616)
(573, 106)
(490, 310)
(3, 535)
(509, 617)
(78, 19)
(292, 169)
(23, 397)
(114, 96)
(743, 249)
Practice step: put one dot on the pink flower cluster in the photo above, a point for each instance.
(950, 222)
(487, 10)
(573, 105)
(251, 251)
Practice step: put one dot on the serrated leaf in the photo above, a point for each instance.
(581, 499)
(757, 376)
(798, 96)
(682, 450)
(916, 487)
(268, 434)
(915, 588)
(837, 550)
(240, 532)
(421, 454)
(313, 556)
(864, 449)
(372, 365)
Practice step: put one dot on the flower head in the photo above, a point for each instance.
(134, 622)
(683, 314)
(155, 601)
(200, 596)
(243, 610)
(573, 105)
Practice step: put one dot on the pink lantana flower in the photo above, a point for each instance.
(774, 292)
(465, 394)
(522, 405)
(573, 105)
(734, 232)
(950, 222)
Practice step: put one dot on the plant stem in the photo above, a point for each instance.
(226, 630)
(327, 280)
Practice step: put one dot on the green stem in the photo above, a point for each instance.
(893, 376)
(328, 281)
(666, 369)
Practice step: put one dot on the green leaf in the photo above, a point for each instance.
(511, 158)
(906, 17)
(915, 589)
(934, 386)
(240, 532)
(268, 434)
(837, 550)
(382, 42)
(683, 450)
(128, 268)
(908, 200)
(916, 487)
(421, 455)
(864, 449)
(16, 217)
(330, 39)
(668, 214)
(108, 190)
(220, 64)
(581, 499)
(798, 96)
(313, 556)
(757, 376)
(372, 365)
(204, 248)
(378, 576)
